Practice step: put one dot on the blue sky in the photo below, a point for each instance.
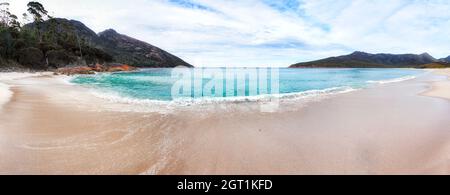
(268, 32)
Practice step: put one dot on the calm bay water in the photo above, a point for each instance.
(157, 84)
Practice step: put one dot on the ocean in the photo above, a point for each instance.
(165, 84)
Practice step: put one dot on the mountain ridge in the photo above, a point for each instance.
(122, 48)
(447, 59)
(360, 59)
(137, 52)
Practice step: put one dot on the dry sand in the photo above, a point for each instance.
(441, 88)
(50, 127)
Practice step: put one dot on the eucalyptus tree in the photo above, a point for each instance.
(39, 14)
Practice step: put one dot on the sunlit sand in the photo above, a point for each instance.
(50, 127)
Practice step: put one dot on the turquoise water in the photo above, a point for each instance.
(158, 84)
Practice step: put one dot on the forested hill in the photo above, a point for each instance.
(50, 42)
(367, 60)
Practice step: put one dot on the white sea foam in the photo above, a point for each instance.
(317, 93)
(121, 98)
(65, 79)
(117, 98)
(396, 80)
(158, 104)
(5, 94)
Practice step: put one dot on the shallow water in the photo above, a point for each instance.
(231, 83)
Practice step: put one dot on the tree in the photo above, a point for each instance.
(9, 31)
(42, 41)
(25, 19)
(6, 43)
(14, 24)
(31, 57)
(38, 11)
(52, 33)
(7, 19)
(4, 14)
(39, 14)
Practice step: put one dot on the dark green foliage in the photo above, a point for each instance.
(37, 10)
(2, 62)
(20, 44)
(49, 42)
(94, 55)
(32, 57)
(59, 58)
(10, 65)
(71, 37)
(29, 37)
(46, 42)
(6, 43)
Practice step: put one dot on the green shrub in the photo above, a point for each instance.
(59, 58)
(32, 57)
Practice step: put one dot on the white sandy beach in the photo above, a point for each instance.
(50, 127)
(440, 89)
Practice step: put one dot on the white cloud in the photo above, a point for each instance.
(254, 33)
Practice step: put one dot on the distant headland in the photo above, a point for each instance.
(366, 60)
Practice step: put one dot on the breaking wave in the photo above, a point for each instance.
(396, 80)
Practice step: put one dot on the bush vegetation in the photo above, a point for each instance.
(35, 47)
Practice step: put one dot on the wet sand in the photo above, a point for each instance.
(50, 127)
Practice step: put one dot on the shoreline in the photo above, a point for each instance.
(52, 128)
(5, 94)
(5, 88)
(440, 89)
(112, 96)
(387, 129)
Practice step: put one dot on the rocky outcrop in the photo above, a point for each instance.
(94, 69)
